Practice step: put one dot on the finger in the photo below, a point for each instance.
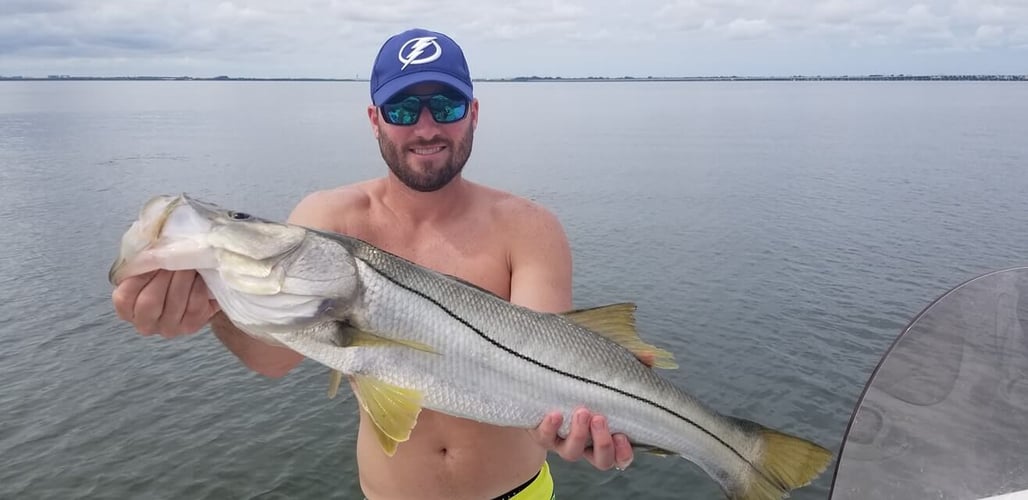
(150, 303)
(602, 453)
(623, 452)
(125, 294)
(175, 303)
(546, 432)
(574, 444)
(199, 309)
(215, 307)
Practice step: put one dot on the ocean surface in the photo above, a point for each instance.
(775, 236)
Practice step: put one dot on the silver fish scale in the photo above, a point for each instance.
(468, 352)
(507, 365)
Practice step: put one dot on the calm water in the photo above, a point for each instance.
(776, 237)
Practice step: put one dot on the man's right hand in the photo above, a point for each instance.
(169, 303)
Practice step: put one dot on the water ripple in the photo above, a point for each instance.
(776, 241)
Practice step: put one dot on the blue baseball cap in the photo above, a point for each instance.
(418, 56)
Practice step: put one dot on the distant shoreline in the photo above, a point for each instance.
(796, 78)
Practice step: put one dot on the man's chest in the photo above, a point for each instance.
(473, 257)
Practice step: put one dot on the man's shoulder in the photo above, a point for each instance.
(519, 215)
(348, 196)
(330, 208)
(505, 204)
(537, 250)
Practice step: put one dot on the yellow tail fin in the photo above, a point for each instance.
(785, 463)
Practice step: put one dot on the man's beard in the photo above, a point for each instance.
(434, 177)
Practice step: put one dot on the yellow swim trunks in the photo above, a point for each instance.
(539, 487)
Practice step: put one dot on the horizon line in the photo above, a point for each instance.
(873, 76)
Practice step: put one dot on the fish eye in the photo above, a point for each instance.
(239, 216)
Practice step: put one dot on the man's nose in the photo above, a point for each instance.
(426, 125)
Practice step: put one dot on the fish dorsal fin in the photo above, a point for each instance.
(393, 410)
(617, 323)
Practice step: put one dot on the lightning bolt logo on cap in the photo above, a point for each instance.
(424, 56)
(413, 52)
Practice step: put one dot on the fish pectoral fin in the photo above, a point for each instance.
(394, 410)
(355, 337)
(617, 323)
(335, 379)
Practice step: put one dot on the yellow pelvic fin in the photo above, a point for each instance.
(335, 378)
(617, 323)
(394, 410)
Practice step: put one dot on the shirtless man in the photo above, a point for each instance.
(424, 115)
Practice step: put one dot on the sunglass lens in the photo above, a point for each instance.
(446, 109)
(403, 112)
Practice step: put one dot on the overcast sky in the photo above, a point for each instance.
(339, 38)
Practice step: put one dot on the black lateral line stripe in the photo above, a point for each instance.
(576, 377)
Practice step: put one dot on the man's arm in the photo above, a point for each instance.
(259, 356)
(540, 264)
(541, 272)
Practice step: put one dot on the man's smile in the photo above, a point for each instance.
(427, 150)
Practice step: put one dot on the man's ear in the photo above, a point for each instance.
(373, 117)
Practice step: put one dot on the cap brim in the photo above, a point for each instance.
(397, 84)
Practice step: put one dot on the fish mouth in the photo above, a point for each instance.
(145, 231)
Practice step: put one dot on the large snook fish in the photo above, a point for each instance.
(411, 338)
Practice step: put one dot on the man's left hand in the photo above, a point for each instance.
(606, 450)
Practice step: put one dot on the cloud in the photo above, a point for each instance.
(996, 12)
(923, 28)
(920, 19)
(22, 7)
(685, 15)
(592, 36)
(842, 11)
(1019, 37)
(989, 35)
(172, 38)
(375, 12)
(521, 19)
(339, 37)
(856, 23)
(746, 29)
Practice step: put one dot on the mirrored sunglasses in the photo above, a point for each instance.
(405, 109)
